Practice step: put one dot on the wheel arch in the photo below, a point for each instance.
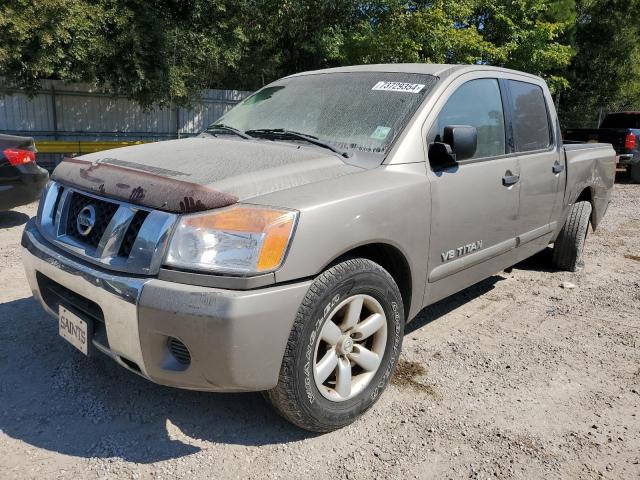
(391, 259)
(586, 195)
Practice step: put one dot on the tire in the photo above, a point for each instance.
(318, 407)
(634, 172)
(568, 247)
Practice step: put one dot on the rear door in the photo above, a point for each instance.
(473, 210)
(542, 165)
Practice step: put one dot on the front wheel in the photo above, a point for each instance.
(343, 347)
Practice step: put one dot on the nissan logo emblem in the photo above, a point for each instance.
(86, 220)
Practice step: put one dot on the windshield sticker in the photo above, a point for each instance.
(398, 87)
(380, 133)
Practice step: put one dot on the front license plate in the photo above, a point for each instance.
(73, 329)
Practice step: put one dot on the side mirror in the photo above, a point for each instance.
(463, 140)
(459, 142)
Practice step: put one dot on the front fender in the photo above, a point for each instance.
(388, 205)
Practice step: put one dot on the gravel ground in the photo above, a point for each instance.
(516, 377)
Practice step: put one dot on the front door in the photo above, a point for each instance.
(474, 205)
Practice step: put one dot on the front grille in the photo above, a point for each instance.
(110, 239)
(55, 295)
(132, 233)
(104, 213)
(54, 210)
(180, 351)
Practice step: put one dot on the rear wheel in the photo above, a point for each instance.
(343, 347)
(568, 247)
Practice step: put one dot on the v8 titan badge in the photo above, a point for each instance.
(461, 251)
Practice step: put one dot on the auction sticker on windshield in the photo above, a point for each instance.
(398, 87)
(73, 329)
(380, 133)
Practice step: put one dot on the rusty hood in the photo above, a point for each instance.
(199, 173)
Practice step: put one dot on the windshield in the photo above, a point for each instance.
(362, 111)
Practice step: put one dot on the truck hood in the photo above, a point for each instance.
(199, 173)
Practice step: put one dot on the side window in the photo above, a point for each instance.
(476, 103)
(531, 127)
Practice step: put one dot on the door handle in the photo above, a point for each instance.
(557, 167)
(510, 179)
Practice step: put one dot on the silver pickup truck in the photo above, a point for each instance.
(285, 248)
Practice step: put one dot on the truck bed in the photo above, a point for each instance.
(590, 165)
(614, 136)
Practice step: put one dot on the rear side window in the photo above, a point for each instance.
(531, 127)
(476, 103)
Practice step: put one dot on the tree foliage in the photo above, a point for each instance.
(165, 51)
(604, 74)
(154, 51)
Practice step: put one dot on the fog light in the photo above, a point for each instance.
(180, 351)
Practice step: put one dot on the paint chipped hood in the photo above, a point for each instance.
(199, 173)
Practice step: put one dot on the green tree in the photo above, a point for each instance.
(156, 51)
(288, 36)
(520, 34)
(605, 73)
(49, 38)
(163, 51)
(528, 36)
(397, 31)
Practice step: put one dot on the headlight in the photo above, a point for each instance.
(242, 239)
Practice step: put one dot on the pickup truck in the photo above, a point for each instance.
(622, 130)
(284, 249)
(21, 179)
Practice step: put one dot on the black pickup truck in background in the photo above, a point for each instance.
(622, 130)
(21, 179)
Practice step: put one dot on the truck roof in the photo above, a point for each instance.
(437, 69)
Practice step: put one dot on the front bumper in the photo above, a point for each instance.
(236, 339)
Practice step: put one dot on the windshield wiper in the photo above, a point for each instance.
(284, 134)
(227, 128)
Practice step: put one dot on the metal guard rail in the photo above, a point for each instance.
(78, 148)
